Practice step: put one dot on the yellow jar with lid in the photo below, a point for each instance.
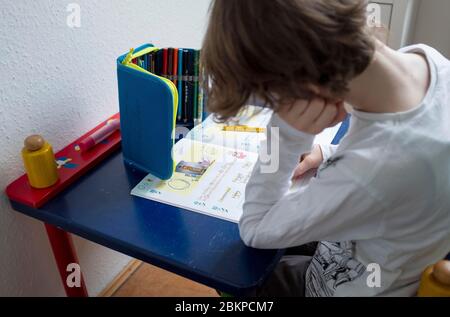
(39, 162)
(436, 281)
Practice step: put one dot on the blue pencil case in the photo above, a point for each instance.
(148, 109)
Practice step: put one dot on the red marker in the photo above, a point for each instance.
(99, 135)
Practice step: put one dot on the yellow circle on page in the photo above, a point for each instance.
(178, 184)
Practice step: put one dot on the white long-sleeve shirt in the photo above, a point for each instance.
(381, 199)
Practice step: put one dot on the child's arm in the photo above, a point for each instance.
(333, 207)
(311, 161)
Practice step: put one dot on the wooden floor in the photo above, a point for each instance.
(150, 281)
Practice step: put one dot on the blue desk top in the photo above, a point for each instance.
(99, 207)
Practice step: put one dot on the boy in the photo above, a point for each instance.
(380, 203)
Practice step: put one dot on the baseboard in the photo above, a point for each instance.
(120, 279)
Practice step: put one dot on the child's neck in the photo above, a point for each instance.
(393, 82)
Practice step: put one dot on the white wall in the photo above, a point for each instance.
(60, 82)
(433, 25)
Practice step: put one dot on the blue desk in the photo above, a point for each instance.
(99, 207)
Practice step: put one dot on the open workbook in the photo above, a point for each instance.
(213, 167)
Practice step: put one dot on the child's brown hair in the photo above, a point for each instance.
(277, 50)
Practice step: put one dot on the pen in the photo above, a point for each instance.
(243, 128)
(129, 57)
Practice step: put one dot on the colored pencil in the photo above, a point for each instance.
(180, 85)
(175, 66)
(165, 55)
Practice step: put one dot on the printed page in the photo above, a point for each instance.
(211, 132)
(208, 179)
(214, 166)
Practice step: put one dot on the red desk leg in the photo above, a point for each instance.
(64, 253)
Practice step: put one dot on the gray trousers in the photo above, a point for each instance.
(289, 277)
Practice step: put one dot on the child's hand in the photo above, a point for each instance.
(313, 116)
(308, 162)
